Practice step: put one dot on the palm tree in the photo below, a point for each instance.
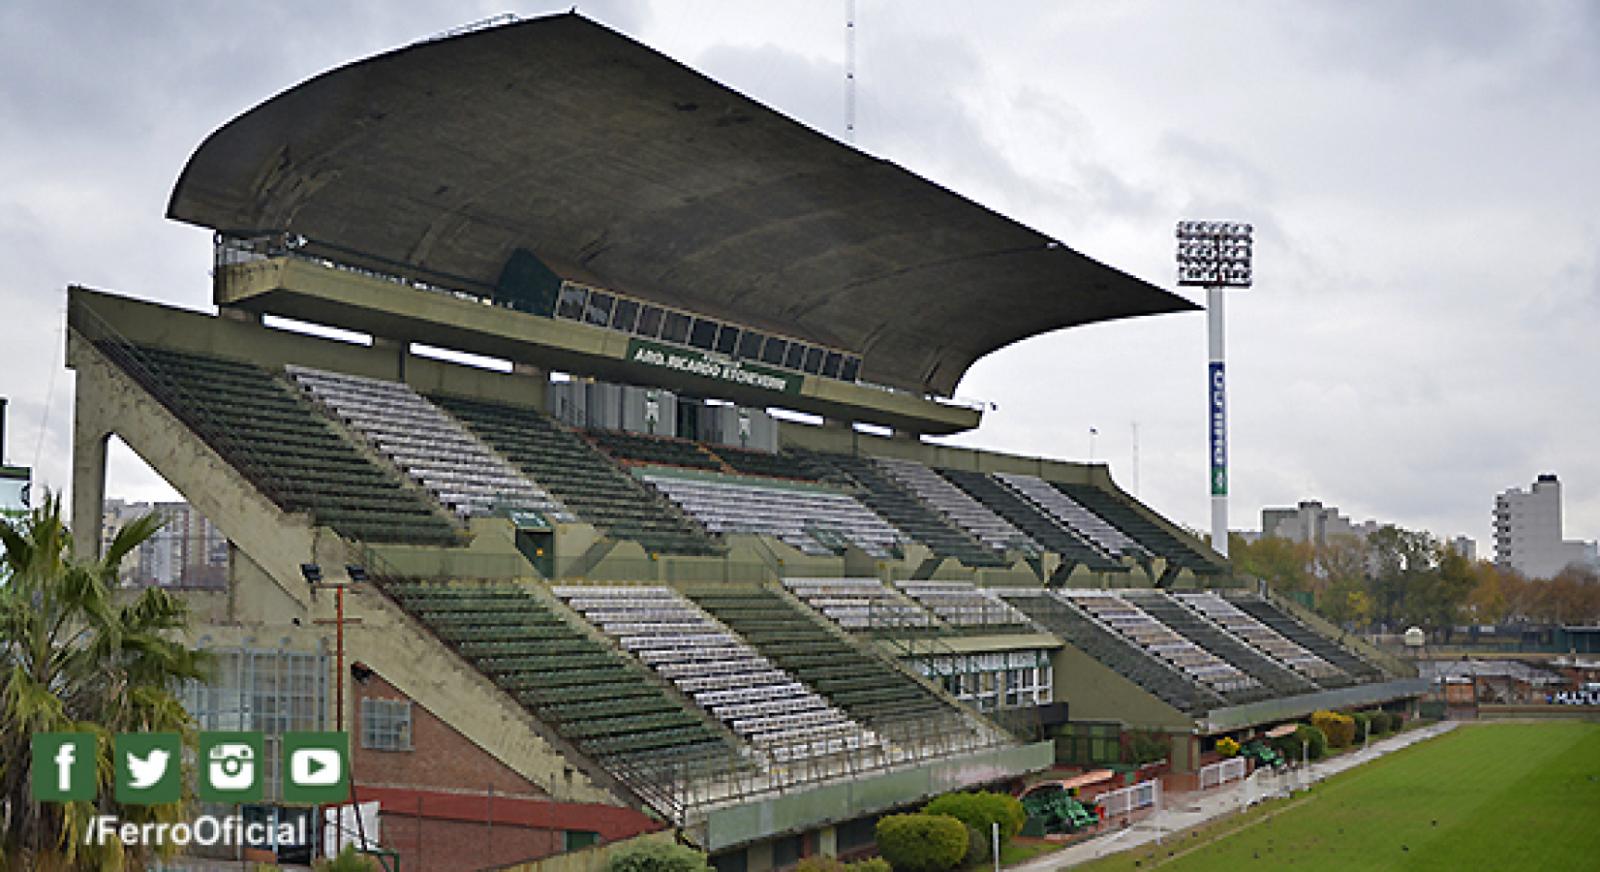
(75, 656)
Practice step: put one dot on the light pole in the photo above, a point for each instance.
(1215, 255)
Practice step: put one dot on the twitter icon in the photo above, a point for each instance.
(148, 772)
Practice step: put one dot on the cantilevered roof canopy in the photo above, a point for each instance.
(618, 166)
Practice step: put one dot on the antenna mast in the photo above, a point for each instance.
(850, 71)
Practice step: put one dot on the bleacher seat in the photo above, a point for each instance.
(805, 516)
(582, 478)
(903, 509)
(658, 450)
(1274, 675)
(961, 604)
(1065, 510)
(424, 441)
(1214, 608)
(766, 706)
(1116, 652)
(286, 447)
(1022, 514)
(857, 604)
(1121, 616)
(958, 506)
(1142, 529)
(608, 706)
(1307, 638)
(871, 690)
(764, 463)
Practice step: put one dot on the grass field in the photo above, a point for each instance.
(1484, 796)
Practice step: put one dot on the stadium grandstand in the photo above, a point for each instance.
(593, 587)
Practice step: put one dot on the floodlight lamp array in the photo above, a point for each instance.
(1214, 254)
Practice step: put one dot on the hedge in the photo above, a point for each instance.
(922, 842)
(980, 811)
(1314, 740)
(657, 857)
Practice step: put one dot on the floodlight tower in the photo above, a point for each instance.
(1215, 255)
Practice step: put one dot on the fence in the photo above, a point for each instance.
(1218, 774)
(1145, 794)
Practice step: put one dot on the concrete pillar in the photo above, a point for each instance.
(89, 439)
(1185, 753)
(396, 352)
(828, 841)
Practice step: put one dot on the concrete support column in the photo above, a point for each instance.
(90, 437)
(828, 841)
(1185, 753)
(396, 352)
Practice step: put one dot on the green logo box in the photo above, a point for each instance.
(316, 767)
(232, 767)
(64, 767)
(149, 768)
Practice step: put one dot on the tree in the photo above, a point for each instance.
(72, 659)
(1486, 604)
(1285, 565)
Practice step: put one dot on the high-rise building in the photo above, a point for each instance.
(1528, 535)
(1311, 522)
(187, 551)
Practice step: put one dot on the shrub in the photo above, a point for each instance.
(1340, 729)
(1383, 722)
(871, 864)
(1313, 739)
(347, 861)
(1364, 725)
(922, 842)
(820, 863)
(980, 811)
(1228, 746)
(657, 857)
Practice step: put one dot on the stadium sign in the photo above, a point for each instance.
(716, 367)
(1219, 429)
(1576, 697)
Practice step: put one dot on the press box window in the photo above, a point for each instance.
(727, 339)
(386, 724)
(676, 328)
(570, 304)
(795, 356)
(598, 312)
(649, 321)
(750, 344)
(830, 364)
(622, 317)
(850, 369)
(813, 360)
(773, 351)
(704, 334)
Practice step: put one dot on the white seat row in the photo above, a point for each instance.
(963, 604)
(1066, 511)
(716, 668)
(957, 505)
(1258, 635)
(428, 445)
(859, 603)
(1142, 628)
(792, 514)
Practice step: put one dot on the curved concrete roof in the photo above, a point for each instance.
(618, 166)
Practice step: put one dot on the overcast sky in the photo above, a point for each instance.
(1424, 179)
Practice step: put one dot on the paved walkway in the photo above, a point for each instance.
(1185, 810)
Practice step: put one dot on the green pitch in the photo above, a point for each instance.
(1489, 796)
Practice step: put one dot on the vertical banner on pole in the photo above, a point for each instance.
(1216, 386)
